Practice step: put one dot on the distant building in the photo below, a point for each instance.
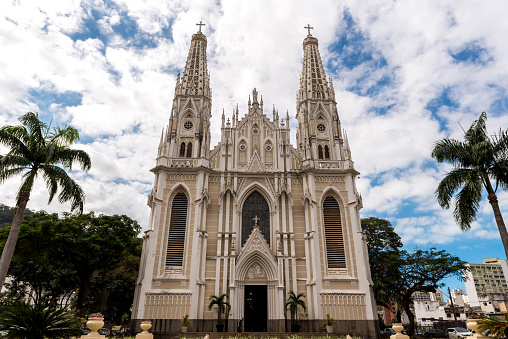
(429, 296)
(459, 297)
(487, 286)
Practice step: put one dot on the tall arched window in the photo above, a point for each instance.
(182, 150)
(327, 152)
(334, 239)
(177, 226)
(320, 151)
(189, 150)
(255, 206)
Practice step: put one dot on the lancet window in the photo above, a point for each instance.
(255, 210)
(334, 237)
(177, 227)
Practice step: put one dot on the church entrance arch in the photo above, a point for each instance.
(255, 210)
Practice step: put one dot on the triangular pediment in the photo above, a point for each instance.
(255, 163)
(256, 243)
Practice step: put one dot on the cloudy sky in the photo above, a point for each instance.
(406, 73)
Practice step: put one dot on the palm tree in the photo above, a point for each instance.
(39, 322)
(494, 326)
(293, 302)
(35, 149)
(222, 306)
(481, 161)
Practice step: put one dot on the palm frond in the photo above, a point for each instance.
(478, 130)
(450, 184)
(8, 173)
(11, 136)
(69, 189)
(69, 156)
(468, 201)
(450, 150)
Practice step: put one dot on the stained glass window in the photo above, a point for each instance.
(255, 206)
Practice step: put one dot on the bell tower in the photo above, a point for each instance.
(319, 136)
(188, 133)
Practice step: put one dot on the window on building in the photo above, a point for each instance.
(334, 239)
(177, 226)
(327, 152)
(189, 150)
(182, 150)
(320, 151)
(255, 206)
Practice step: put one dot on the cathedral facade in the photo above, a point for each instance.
(255, 217)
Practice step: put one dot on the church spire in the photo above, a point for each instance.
(189, 125)
(195, 78)
(319, 133)
(313, 84)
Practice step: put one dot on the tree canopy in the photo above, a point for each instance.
(397, 274)
(87, 253)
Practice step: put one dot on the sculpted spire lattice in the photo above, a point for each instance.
(313, 84)
(195, 78)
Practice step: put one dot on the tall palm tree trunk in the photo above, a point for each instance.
(10, 244)
(499, 220)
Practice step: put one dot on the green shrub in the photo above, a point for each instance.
(39, 322)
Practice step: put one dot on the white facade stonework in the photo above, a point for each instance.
(255, 217)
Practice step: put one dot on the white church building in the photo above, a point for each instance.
(255, 217)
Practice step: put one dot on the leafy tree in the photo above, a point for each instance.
(38, 265)
(295, 300)
(494, 326)
(7, 215)
(76, 253)
(94, 243)
(480, 161)
(111, 289)
(35, 149)
(423, 271)
(39, 322)
(383, 246)
(222, 305)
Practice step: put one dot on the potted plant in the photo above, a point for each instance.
(328, 323)
(222, 306)
(293, 302)
(185, 323)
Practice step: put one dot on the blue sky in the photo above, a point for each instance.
(405, 73)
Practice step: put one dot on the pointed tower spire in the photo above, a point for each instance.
(316, 109)
(188, 134)
(195, 78)
(313, 84)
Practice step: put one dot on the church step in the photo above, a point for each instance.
(271, 335)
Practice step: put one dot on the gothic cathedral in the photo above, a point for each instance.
(255, 218)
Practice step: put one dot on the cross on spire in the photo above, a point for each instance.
(309, 28)
(256, 219)
(200, 24)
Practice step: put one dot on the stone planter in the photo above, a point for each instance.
(329, 329)
(94, 324)
(184, 329)
(145, 326)
(219, 327)
(397, 327)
